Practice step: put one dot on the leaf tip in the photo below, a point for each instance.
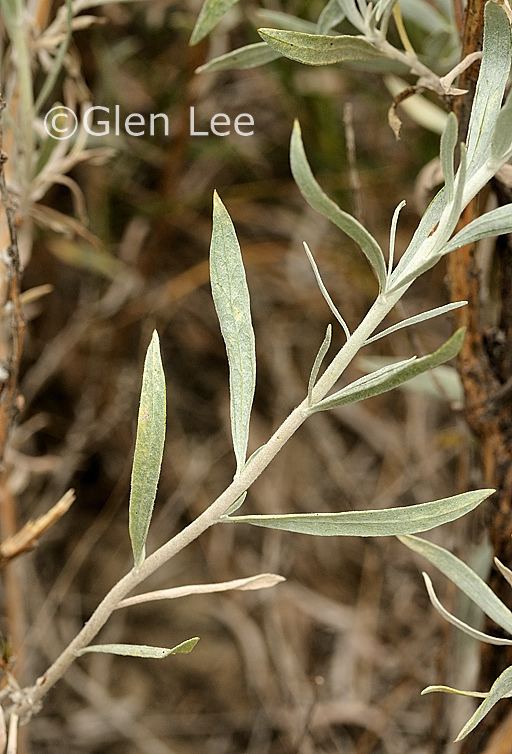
(272, 579)
(265, 33)
(198, 33)
(457, 339)
(191, 644)
(218, 205)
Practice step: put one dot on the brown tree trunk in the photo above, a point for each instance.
(485, 365)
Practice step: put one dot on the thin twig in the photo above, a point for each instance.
(28, 536)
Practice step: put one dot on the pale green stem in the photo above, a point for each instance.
(213, 514)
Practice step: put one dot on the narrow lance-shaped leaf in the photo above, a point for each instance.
(209, 16)
(505, 572)
(447, 152)
(442, 383)
(250, 56)
(149, 448)
(493, 75)
(319, 201)
(464, 578)
(279, 20)
(429, 17)
(460, 624)
(320, 49)
(372, 523)
(392, 235)
(492, 80)
(232, 303)
(407, 269)
(261, 581)
(396, 375)
(416, 319)
(451, 690)
(500, 689)
(141, 650)
(497, 222)
(382, 10)
(502, 138)
(319, 359)
(325, 293)
(353, 10)
(332, 15)
(448, 226)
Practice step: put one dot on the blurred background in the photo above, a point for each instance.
(334, 659)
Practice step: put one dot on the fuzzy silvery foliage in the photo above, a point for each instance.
(489, 603)
(489, 147)
(364, 41)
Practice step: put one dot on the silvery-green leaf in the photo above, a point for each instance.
(319, 49)
(280, 20)
(371, 523)
(353, 13)
(407, 269)
(497, 222)
(332, 15)
(442, 382)
(237, 504)
(209, 16)
(447, 152)
(392, 235)
(464, 578)
(451, 690)
(398, 374)
(494, 71)
(500, 689)
(492, 80)
(149, 448)
(250, 56)
(505, 572)
(325, 293)
(141, 650)
(319, 201)
(318, 362)
(232, 303)
(382, 7)
(427, 16)
(502, 136)
(460, 624)
(416, 319)
(449, 225)
(261, 581)
(376, 377)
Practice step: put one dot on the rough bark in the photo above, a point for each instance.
(485, 365)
